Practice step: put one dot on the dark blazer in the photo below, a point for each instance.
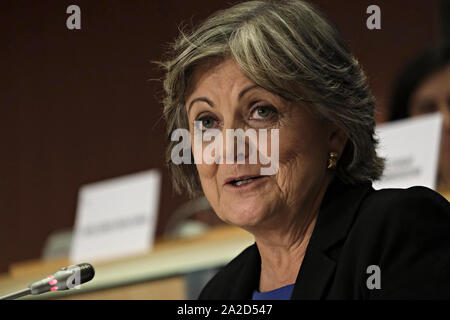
(405, 232)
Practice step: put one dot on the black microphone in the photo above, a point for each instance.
(64, 279)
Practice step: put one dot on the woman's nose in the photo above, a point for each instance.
(235, 146)
(239, 143)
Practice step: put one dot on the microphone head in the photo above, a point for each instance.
(87, 272)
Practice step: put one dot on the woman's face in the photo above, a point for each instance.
(222, 97)
(433, 95)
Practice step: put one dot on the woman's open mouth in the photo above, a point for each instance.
(243, 182)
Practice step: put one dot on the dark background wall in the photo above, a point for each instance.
(77, 107)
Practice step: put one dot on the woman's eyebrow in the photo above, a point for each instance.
(204, 99)
(244, 91)
(211, 104)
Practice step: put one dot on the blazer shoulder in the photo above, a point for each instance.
(413, 205)
(390, 221)
(406, 232)
(403, 223)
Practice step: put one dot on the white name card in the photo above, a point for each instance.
(116, 217)
(411, 149)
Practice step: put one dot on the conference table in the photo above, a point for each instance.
(163, 273)
(159, 274)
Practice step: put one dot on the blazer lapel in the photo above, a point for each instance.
(247, 278)
(337, 212)
(315, 273)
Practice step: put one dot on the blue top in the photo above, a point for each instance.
(283, 293)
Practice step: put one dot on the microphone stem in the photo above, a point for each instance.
(17, 294)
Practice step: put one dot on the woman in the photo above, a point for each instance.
(424, 87)
(321, 231)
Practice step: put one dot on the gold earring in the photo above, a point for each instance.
(332, 160)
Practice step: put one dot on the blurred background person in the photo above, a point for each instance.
(424, 87)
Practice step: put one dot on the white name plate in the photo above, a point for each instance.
(116, 217)
(411, 149)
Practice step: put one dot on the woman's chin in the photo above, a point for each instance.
(244, 214)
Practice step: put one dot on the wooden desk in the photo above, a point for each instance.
(445, 193)
(157, 275)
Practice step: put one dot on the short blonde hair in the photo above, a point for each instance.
(288, 48)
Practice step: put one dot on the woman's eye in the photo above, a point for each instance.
(262, 112)
(207, 122)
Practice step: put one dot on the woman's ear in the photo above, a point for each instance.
(337, 139)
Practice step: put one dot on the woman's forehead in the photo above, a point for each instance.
(219, 77)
